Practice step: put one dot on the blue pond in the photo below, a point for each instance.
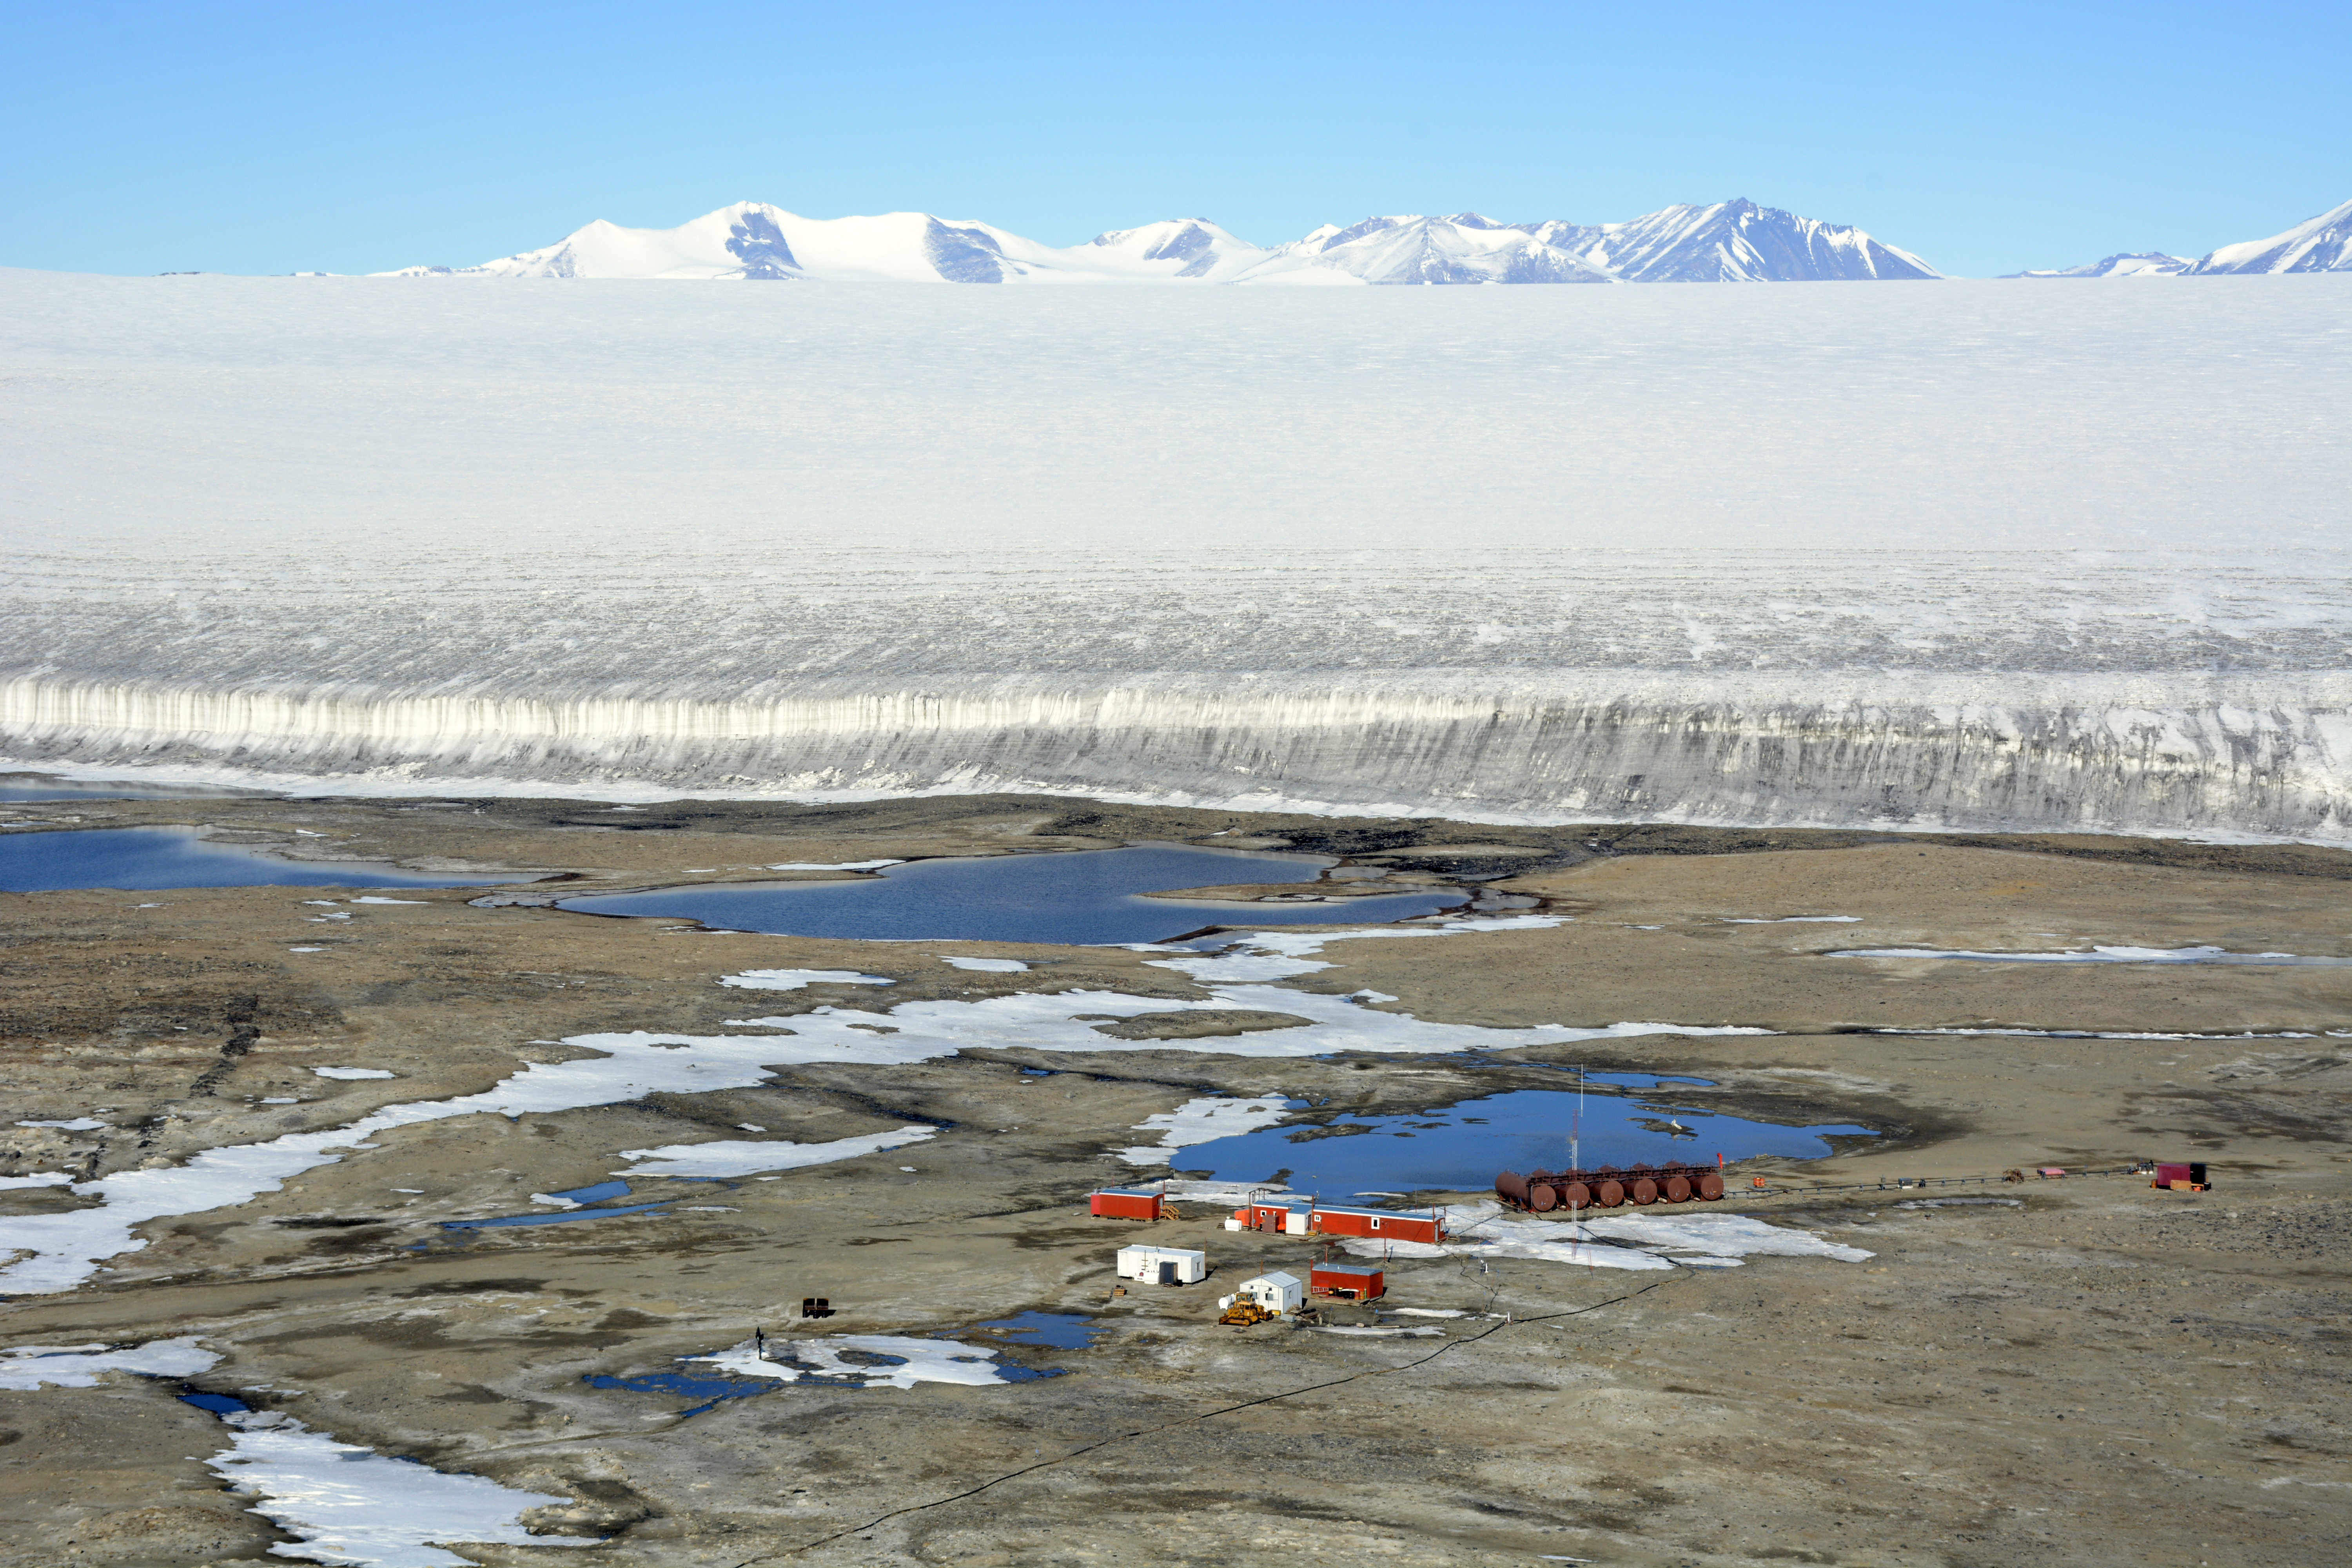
(1461, 1148)
(712, 1391)
(1081, 897)
(1063, 1331)
(218, 1403)
(144, 857)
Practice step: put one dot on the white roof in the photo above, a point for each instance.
(1161, 1251)
(1277, 1279)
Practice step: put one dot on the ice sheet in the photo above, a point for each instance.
(353, 1073)
(1974, 554)
(988, 966)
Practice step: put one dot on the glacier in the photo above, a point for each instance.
(1975, 556)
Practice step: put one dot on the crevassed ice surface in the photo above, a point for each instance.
(1976, 553)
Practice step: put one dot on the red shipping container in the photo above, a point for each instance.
(1124, 1203)
(1347, 1281)
(2193, 1173)
(1380, 1224)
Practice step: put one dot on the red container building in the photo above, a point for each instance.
(1124, 1203)
(1380, 1224)
(1347, 1281)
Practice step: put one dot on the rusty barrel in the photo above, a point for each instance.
(1645, 1191)
(1710, 1186)
(1544, 1197)
(1578, 1194)
(1609, 1194)
(1512, 1188)
(1677, 1190)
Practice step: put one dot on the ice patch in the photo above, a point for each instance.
(743, 1157)
(351, 1505)
(844, 866)
(1707, 1241)
(1204, 1121)
(376, 899)
(988, 966)
(1788, 920)
(37, 1179)
(2096, 955)
(869, 1361)
(800, 979)
(1384, 1333)
(79, 1124)
(66, 1247)
(353, 1072)
(79, 1367)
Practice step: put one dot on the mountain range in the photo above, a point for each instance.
(1727, 242)
(1735, 241)
(2323, 243)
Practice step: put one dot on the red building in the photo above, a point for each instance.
(1347, 1281)
(1124, 1203)
(1380, 1224)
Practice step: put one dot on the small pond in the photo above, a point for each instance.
(1462, 1147)
(1081, 897)
(149, 857)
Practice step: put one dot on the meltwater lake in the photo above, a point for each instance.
(1090, 895)
(1461, 1147)
(144, 858)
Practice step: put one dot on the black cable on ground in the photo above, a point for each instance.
(1206, 1416)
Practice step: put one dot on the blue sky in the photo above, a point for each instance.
(271, 138)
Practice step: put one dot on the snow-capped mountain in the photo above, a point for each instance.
(1463, 249)
(2323, 243)
(1734, 241)
(2138, 263)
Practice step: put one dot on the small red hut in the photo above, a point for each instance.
(1347, 1281)
(1125, 1203)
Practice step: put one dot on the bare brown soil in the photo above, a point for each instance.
(2096, 1373)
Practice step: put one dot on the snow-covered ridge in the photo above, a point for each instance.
(1735, 241)
(2322, 244)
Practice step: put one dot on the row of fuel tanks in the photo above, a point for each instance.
(1609, 1187)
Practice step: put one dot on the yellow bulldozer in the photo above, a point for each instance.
(1243, 1313)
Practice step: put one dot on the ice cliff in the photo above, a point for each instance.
(1975, 555)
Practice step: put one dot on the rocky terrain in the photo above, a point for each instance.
(2077, 1371)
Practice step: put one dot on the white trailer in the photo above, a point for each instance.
(1162, 1264)
(1276, 1292)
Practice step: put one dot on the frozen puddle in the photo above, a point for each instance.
(742, 1157)
(351, 1505)
(1628, 1241)
(2096, 955)
(58, 1251)
(78, 1366)
(1205, 1121)
(765, 1363)
(347, 1504)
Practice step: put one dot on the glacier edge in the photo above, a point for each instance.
(2265, 757)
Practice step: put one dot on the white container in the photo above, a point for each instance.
(1277, 1292)
(1162, 1264)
